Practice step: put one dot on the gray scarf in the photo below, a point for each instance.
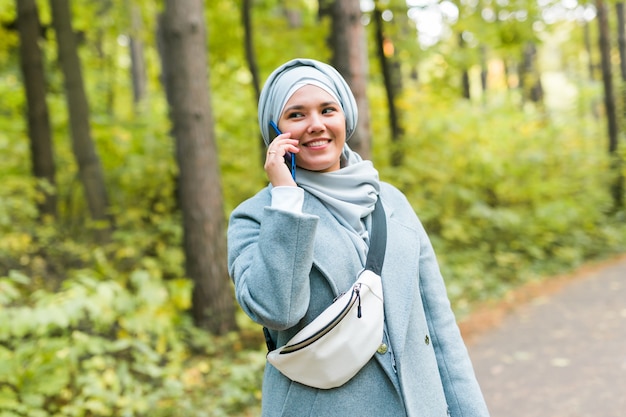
(349, 193)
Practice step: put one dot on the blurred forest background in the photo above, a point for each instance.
(128, 133)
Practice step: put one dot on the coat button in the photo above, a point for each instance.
(427, 340)
(382, 349)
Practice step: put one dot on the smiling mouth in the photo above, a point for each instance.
(317, 143)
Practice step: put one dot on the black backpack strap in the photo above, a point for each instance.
(271, 345)
(378, 239)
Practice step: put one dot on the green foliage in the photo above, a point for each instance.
(506, 195)
(116, 348)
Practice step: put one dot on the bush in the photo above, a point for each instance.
(107, 348)
(506, 196)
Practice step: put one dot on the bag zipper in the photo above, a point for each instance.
(354, 297)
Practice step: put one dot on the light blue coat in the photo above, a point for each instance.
(288, 267)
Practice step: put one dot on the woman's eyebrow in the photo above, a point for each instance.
(301, 106)
(293, 107)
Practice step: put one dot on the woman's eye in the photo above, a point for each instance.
(295, 115)
(328, 110)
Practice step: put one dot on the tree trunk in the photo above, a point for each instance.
(42, 154)
(348, 43)
(484, 73)
(391, 78)
(106, 63)
(588, 49)
(484, 69)
(530, 77)
(246, 21)
(607, 74)
(609, 100)
(621, 39)
(465, 78)
(138, 64)
(200, 194)
(90, 169)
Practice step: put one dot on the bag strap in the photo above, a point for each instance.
(378, 239)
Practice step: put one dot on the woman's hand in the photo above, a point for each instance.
(277, 171)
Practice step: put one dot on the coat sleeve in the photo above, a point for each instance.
(461, 388)
(270, 255)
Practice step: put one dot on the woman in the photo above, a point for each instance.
(296, 245)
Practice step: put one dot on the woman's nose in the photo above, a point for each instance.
(316, 123)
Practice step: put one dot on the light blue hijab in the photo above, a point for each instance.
(279, 87)
(350, 192)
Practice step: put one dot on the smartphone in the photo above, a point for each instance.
(290, 159)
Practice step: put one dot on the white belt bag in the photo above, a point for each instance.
(331, 349)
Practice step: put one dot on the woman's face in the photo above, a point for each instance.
(316, 120)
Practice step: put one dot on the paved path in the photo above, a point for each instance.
(561, 354)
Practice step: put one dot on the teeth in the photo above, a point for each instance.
(317, 143)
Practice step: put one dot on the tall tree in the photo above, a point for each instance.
(588, 50)
(185, 73)
(609, 99)
(621, 40)
(42, 154)
(349, 55)
(137, 60)
(465, 78)
(392, 79)
(484, 69)
(529, 75)
(246, 21)
(90, 169)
